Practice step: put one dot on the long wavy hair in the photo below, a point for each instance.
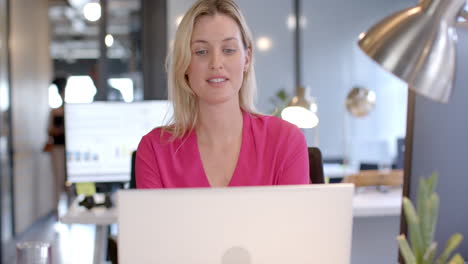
(184, 100)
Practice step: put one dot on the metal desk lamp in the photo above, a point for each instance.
(418, 46)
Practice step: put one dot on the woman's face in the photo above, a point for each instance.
(219, 59)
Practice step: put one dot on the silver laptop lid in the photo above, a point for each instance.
(242, 225)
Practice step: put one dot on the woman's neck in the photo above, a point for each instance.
(219, 124)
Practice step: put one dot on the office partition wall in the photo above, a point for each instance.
(153, 34)
(6, 209)
(440, 144)
(30, 76)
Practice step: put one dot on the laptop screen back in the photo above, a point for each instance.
(243, 225)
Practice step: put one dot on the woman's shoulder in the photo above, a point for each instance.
(162, 138)
(272, 124)
(277, 133)
(159, 135)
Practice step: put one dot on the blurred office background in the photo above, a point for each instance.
(118, 54)
(138, 36)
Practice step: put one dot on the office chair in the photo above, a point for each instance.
(132, 172)
(315, 166)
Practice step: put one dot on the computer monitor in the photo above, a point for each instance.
(101, 136)
(400, 157)
(242, 225)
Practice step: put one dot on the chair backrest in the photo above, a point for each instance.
(315, 166)
(132, 172)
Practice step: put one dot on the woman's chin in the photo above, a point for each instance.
(219, 100)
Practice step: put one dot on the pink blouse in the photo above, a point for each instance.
(273, 152)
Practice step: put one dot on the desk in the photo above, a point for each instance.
(99, 216)
(332, 170)
(376, 224)
(368, 201)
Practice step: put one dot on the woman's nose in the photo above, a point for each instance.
(216, 61)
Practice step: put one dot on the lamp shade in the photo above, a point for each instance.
(418, 46)
(301, 111)
(360, 101)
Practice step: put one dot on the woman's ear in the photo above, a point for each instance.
(248, 59)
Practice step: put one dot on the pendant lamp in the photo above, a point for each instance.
(301, 110)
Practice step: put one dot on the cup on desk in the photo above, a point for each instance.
(33, 252)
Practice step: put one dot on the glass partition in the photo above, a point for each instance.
(6, 195)
(75, 46)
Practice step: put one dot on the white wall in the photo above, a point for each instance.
(332, 65)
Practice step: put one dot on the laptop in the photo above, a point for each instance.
(238, 225)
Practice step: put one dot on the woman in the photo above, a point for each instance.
(216, 138)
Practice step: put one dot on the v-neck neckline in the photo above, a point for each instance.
(239, 158)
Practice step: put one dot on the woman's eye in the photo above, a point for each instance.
(201, 52)
(229, 51)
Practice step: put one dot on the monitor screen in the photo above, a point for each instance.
(101, 136)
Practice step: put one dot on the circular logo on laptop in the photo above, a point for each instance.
(236, 255)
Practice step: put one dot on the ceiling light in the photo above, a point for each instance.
(92, 11)
(291, 22)
(264, 43)
(77, 3)
(109, 40)
(301, 111)
(360, 101)
(300, 117)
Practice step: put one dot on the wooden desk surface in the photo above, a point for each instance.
(375, 178)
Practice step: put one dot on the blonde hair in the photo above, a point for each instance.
(184, 100)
